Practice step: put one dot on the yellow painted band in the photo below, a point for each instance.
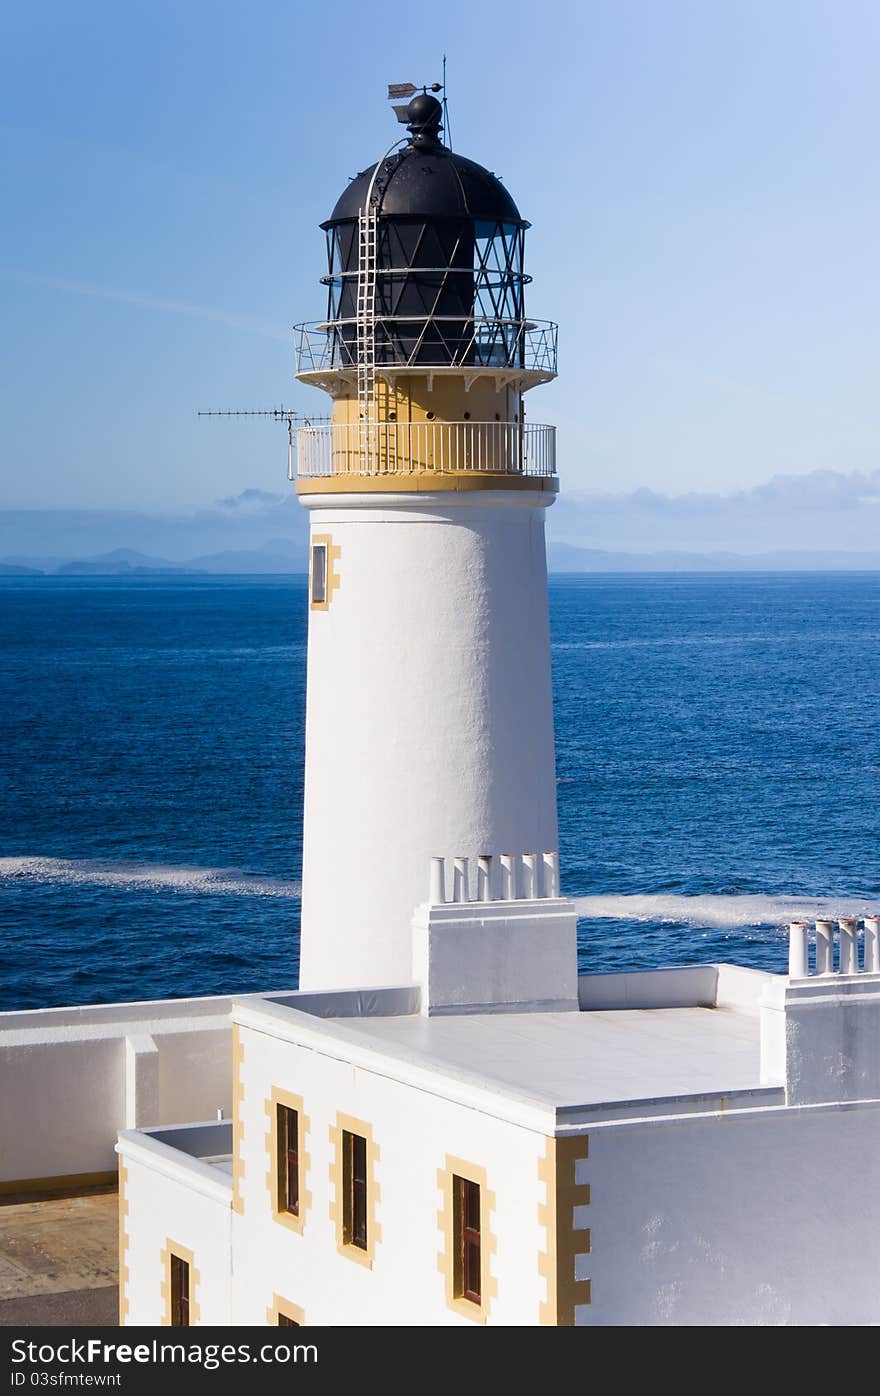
(424, 483)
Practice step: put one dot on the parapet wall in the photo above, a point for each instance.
(71, 1078)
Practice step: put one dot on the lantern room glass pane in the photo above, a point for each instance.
(449, 292)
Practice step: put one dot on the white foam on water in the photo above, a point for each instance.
(148, 877)
(716, 912)
(721, 912)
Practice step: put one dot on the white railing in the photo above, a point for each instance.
(408, 448)
(494, 877)
(845, 932)
(434, 341)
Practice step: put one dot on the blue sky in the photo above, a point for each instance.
(701, 177)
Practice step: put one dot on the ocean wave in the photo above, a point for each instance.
(720, 912)
(148, 877)
(670, 642)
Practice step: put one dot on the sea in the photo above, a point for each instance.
(718, 765)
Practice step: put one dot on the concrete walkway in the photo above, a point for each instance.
(59, 1260)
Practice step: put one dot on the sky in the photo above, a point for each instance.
(701, 177)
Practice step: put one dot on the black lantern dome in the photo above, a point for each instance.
(445, 261)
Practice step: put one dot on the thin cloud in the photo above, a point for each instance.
(252, 501)
(234, 321)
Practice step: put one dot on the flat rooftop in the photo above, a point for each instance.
(582, 1058)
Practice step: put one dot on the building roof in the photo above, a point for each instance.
(539, 1067)
(571, 1059)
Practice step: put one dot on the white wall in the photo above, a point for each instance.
(61, 1104)
(832, 1038)
(175, 1205)
(65, 1092)
(415, 1130)
(678, 986)
(63, 1080)
(468, 955)
(429, 724)
(769, 1218)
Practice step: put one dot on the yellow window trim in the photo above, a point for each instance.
(460, 1168)
(347, 1124)
(284, 1309)
(174, 1248)
(293, 1102)
(331, 580)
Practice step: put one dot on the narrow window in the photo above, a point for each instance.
(287, 1135)
(468, 1281)
(179, 1292)
(319, 574)
(285, 1321)
(354, 1181)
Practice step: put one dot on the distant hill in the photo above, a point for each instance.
(277, 557)
(285, 557)
(119, 563)
(563, 557)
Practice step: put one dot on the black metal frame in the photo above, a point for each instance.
(449, 292)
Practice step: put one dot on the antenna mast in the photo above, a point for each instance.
(278, 414)
(446, 108)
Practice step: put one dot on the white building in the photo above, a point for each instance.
(445, 1124)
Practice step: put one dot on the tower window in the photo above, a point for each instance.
(287, 1161)
(354, 1182)
(319, 574)
(180, 1295)
(467, 1240)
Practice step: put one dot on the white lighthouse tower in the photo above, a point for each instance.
(429, 727)
(447, 1124)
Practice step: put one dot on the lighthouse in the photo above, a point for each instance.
(447, 1123)
(429, 725)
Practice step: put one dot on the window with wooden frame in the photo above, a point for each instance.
(354, 1182)
(285, 1321)
(467, 1241)
(287, 1160)
(180, 1292)
(318, 575)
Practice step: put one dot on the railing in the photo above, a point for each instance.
(409, 448)
(847, 959)
(435, 341)
(500, 877)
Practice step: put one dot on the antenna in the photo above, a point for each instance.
(446, 108)
(278, 414)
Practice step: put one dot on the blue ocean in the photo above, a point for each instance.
(718, 760)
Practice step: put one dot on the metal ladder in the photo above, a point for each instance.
(366, 333)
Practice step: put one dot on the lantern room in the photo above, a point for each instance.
(426, 348)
